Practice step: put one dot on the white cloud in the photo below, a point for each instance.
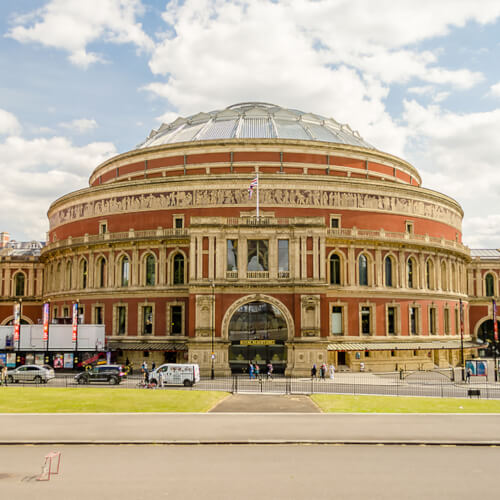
(81, 125)
(9, 125)
(495, 89)
(36, 172)
(72, 25)
(458, 154)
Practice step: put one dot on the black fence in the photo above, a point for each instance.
(441, 384)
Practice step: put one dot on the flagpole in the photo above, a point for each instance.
(257, 195)
(462, 339)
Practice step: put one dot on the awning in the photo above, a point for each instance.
(148, 346)
(398, 346)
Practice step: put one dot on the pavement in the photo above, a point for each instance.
(266, 403)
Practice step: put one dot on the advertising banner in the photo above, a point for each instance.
(11, 360)
(58, 361)
(476, 368)
(3, 359)
(68, 360)
(46, 312)
(75, 322)
(30, 358)
(39, 358)
(495, 326)
(17, 321)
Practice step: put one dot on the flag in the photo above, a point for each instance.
(17, 321)
(46, 322)
(253, 184)
(75, 322)
(495, 325)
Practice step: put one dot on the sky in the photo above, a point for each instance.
(81, 81)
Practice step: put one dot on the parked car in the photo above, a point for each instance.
(112, 374)
(39, 374)
(175, 374)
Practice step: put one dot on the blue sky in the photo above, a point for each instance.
(82, 81)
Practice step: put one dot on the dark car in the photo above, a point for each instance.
(112, 374)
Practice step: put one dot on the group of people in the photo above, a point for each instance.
(254, 370)
(323, 371)
(145, 374)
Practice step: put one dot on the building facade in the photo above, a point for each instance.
(337, 255)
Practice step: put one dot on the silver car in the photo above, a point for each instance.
(31, 373)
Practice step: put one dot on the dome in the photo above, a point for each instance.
(254, 120)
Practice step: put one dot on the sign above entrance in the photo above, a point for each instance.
(257, 342)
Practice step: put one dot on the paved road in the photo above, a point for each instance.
(266, 403)
(249, 428)
(249, 472)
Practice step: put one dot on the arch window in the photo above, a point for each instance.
(83, 273)
(125, 271)
(178, 274)
(363, 270)
(69, 275)
(444, 276)
(489, 285)
(19, 281)
(429, 274)
(389, 281)
(411, 273)
(335, 270)
(101, 272)
(150, 265)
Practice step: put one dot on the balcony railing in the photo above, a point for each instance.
(231, 275)
(258, 275)
(395, 236)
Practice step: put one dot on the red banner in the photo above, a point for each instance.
(17, 321)
(495, 326)
(46, 322)
(75, 322)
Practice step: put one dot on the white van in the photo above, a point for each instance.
(175, 374)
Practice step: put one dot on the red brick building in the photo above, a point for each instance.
(347, 261)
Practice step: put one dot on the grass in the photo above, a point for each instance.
(393, 404)
(99, 400)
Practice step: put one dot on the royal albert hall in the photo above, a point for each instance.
(338, 256)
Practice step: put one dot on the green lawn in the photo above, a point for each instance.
(99, 400)
(392, 404)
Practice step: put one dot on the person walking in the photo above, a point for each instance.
(332, 371)
(269, 370)
(467, 376)
(322, 371)
(153, 366)
(313, 371)
(257, 371)
(251, 371)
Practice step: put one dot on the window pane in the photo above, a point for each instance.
(176, 313)
(258, 251)
(98, 316)
(19, 284)
(335, 270)
(150, 271)
(232, 255)
(147, 320)
(365, 320)
(122, 320)
(336, 320)
(102, 272)
(282, 255)
(178, 269)
(388, 271)
(413, 320)
(489, 285)
(410, 273)
(391, 320)
(125, 271)
(363, 270)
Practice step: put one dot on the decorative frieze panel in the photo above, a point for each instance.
(320, 198)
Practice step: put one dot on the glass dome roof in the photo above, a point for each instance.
(254, 120)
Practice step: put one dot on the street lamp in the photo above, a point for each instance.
(212, 374)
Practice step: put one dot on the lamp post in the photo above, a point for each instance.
(212, 374)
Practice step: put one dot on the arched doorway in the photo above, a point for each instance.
(485, 334)
(257, 332)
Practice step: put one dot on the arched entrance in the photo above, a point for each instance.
(485, 334)
(257, 331)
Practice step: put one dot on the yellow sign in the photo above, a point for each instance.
(257, 342)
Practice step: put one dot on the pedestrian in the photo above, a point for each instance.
(144, 366)
(251, 371)
(467, 377)
(160, 378)
(153, 366)
(257, 371)
(269, 370)
(3, 375)
(332, 371)
(313, 371)
(361, 367)
(322, 371)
